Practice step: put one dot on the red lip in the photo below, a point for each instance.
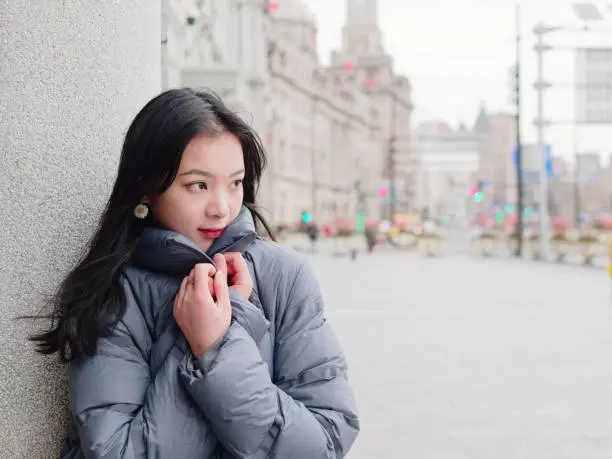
(211, 233)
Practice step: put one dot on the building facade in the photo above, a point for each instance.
(327, 129)
(363, 65)
(220, 45)
(449, 162)
(496, 168)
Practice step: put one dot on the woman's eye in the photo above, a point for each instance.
(236, 183)
(197, 186)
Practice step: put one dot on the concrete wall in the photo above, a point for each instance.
(73, 74)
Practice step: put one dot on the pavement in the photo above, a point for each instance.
(459, 357)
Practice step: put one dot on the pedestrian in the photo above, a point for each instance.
(370, 236)
(185, 333)
(313, 235)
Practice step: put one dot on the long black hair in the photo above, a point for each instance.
(89, 302)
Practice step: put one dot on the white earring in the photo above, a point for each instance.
(141, 211)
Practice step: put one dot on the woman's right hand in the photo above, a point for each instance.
(202, 307)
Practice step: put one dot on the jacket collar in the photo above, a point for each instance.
(172, 253)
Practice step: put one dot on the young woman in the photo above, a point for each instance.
(187, 335)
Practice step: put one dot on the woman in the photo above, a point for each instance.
(187, 335)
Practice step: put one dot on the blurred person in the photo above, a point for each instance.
(313, 235)
(371, 236)
(187, 335)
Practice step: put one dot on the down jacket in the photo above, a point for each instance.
(275, 386)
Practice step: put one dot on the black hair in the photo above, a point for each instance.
(90, 301)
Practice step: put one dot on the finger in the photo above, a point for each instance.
(188, 293)
(230, 258)
(221, 263)
(178, 301)
(201, 275)
(181, 293)
(217, 259)
(238, 263)
(221, 289)
(201, 269)
(211, 286)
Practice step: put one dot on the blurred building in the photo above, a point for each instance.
(323, 132)
(327, 129)
(585, 189)
(563, 169)
(587, 168)
(496, 169)
(220, 45)
(448, 163)
(363, 65)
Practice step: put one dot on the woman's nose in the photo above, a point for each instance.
(218, 206)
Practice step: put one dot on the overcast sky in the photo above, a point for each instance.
(457, 53)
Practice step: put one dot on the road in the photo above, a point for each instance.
(463, 358)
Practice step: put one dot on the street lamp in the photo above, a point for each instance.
(519, 156)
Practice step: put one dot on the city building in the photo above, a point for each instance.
(323, 134)
(496, 160)
(363, 65)
(220, 45)
(449, 162)
(329, 130)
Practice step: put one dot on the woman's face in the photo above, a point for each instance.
(207, 193)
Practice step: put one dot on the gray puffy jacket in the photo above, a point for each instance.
(275, 386)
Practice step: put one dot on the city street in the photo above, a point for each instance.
(463, 358)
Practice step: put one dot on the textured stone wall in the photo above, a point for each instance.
(72, 76)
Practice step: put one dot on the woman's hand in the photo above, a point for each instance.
(202, 307)
(237, 271)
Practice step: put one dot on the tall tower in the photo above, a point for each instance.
(361, 35)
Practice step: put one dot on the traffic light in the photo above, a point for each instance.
(306, 217)
(476, 192)
(383, 192)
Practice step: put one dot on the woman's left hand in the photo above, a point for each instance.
(238, 277)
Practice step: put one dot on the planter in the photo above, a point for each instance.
(589, 247)
(430, 245)
(560, 249)
(513, 244)
(486, 244)
(403, 241)
(534, 247)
